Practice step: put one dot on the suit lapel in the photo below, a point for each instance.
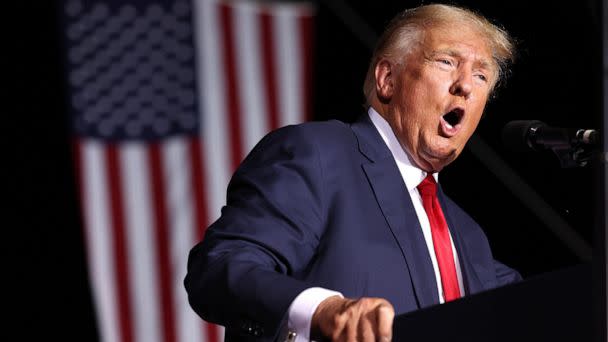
(398, 210)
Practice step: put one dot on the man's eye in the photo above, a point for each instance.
(445, 61)
(482, 77)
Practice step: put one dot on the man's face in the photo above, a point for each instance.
(435, 100)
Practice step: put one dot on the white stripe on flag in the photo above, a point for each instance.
(99, 236)
(249, 66)
(216, 144)
(220, 333)
(141, 242)
(180, 216)
(288, 59)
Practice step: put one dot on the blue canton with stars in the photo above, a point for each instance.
(131, 69)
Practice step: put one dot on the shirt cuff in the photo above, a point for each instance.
(302, 308)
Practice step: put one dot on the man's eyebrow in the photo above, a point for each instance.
(449, 52)
(481, 63)
(485, 64)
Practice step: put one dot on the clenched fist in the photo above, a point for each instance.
(344, 319)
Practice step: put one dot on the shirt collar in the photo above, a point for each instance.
(412, 175)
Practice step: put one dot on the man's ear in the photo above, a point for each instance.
(385, 80)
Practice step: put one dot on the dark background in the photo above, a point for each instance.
(556, 79)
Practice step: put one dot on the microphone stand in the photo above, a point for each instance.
(578, 153)
(576, 156)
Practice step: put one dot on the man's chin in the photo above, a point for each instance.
(435, 161)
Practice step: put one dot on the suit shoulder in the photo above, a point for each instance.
(320, 133)
(318, 129)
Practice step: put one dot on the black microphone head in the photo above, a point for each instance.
(516, 134)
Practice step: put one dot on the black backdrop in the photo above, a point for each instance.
(557, 79)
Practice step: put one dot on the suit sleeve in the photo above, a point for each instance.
(244, 274)
(506, 275)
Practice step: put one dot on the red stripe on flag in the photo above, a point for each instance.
(232, 94)
(306, 38)
(201, 220)
(198, 187)
(270, 74)
(120, 245)
(212, 331)
(162, 242)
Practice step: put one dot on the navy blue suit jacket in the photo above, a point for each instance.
(323, 204)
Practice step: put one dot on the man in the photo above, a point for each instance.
(332, 229)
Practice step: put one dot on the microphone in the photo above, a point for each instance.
(521, 135)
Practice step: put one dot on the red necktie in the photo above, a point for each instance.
(441, 238)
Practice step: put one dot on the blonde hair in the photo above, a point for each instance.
(408, 27)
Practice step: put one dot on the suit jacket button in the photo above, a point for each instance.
(245, 326)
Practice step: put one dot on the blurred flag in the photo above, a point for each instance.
(167, 97)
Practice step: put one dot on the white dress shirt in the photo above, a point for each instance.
(304, 305)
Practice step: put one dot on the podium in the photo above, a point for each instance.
(555, 306)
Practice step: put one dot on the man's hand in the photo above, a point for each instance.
(344, 319)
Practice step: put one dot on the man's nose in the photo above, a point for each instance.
(463, 84)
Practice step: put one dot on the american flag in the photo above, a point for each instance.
(167, 97)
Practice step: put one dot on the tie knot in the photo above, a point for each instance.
(428, 187)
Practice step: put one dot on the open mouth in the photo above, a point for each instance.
(453, 117)
(450, 122)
